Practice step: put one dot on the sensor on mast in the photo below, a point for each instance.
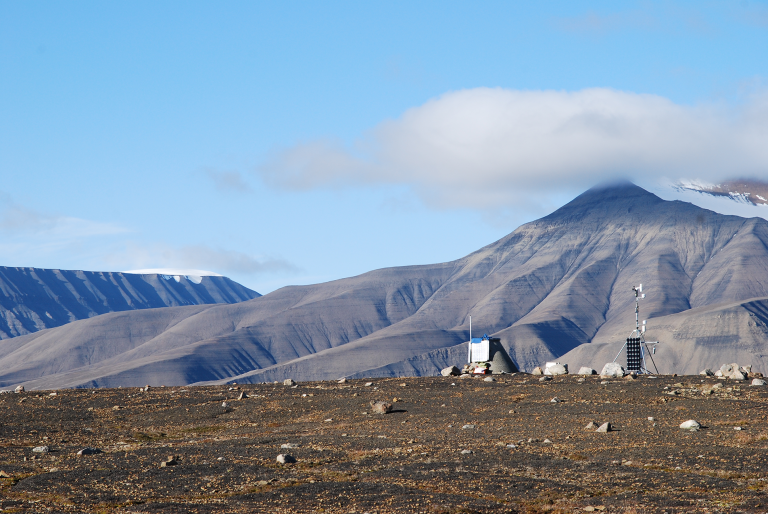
(636, 345)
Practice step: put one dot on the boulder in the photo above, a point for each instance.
(89, 451)
(727, 369)
(707, 373)
(591, 426)
(289, 382)
(555, 368)
(732, 371)
(605, 427)
(284, 458)
(537, 371)
(19, 389)
(612, 370)
(378, 407)
(585, 370)
(450, 371)
(170, 461)
(758, 382)
(40, 449)
(690, 425)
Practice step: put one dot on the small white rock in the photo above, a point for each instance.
(612, 370)
(690, 425)
(555, 368)
(284, 458)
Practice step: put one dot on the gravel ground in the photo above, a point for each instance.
(447, 446)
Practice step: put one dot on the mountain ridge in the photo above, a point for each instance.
(32, 299)
(545, 289)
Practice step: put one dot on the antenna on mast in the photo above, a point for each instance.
(636, 345)
(469, 350)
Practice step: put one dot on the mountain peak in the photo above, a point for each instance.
(617, 190)
(607, 197)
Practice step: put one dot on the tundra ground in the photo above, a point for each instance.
(449, 445)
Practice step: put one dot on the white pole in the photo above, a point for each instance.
(469, 350)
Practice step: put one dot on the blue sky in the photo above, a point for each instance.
(291, 142)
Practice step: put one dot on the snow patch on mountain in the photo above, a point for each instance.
(699, 193)
(193, 275)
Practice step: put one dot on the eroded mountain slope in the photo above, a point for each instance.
(550, 286)
(33, 299)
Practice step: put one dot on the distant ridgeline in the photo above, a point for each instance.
(558, 288)
(33, 299)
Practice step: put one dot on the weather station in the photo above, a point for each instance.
(636, 346)
(486, 355)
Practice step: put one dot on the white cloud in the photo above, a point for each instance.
(494, 147)
(160, 255)
(659, 17)
(228, 181)
(17, 220)
(593, 22)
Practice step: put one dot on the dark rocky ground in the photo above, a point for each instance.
(410, 460)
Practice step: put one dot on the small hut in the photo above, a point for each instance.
(488, 352)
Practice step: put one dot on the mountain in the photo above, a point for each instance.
(699, 338)
(557, 284)
(748, 191)
(33, 299)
